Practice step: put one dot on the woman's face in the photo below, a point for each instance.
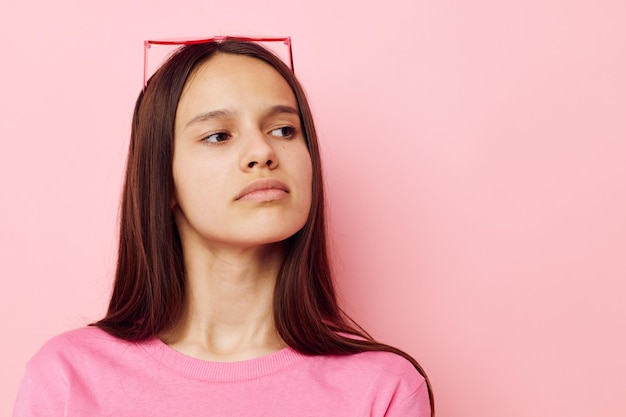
(241, 168)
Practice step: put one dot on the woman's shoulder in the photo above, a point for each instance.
(386, 382)
(73, 348)
(384, 368)
(374, 361)
(79, 340)
(69, 365)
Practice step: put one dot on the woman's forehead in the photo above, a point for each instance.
(237, 74)
(233, 83)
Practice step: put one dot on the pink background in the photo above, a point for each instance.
(475, 160)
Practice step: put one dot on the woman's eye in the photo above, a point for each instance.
(216, 137)
(284, 132)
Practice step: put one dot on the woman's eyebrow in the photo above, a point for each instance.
(213, 114)
(281, 108)
(224, 113)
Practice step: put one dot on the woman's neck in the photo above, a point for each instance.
(228, 313)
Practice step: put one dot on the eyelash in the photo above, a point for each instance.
(291, 133)
(206, 138)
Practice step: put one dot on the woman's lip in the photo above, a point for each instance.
(271, 194)
(263, 189)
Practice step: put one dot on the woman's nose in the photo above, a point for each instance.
(268, 163)
(259, 153)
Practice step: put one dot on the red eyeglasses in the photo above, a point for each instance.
(154, 57)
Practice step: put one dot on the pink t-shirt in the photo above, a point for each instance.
(88, 373)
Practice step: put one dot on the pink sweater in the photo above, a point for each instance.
(88, 373)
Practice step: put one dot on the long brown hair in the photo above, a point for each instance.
(149, 288)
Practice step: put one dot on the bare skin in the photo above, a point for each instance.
(228, 316)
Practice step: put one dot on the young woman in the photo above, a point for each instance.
(223, 302)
